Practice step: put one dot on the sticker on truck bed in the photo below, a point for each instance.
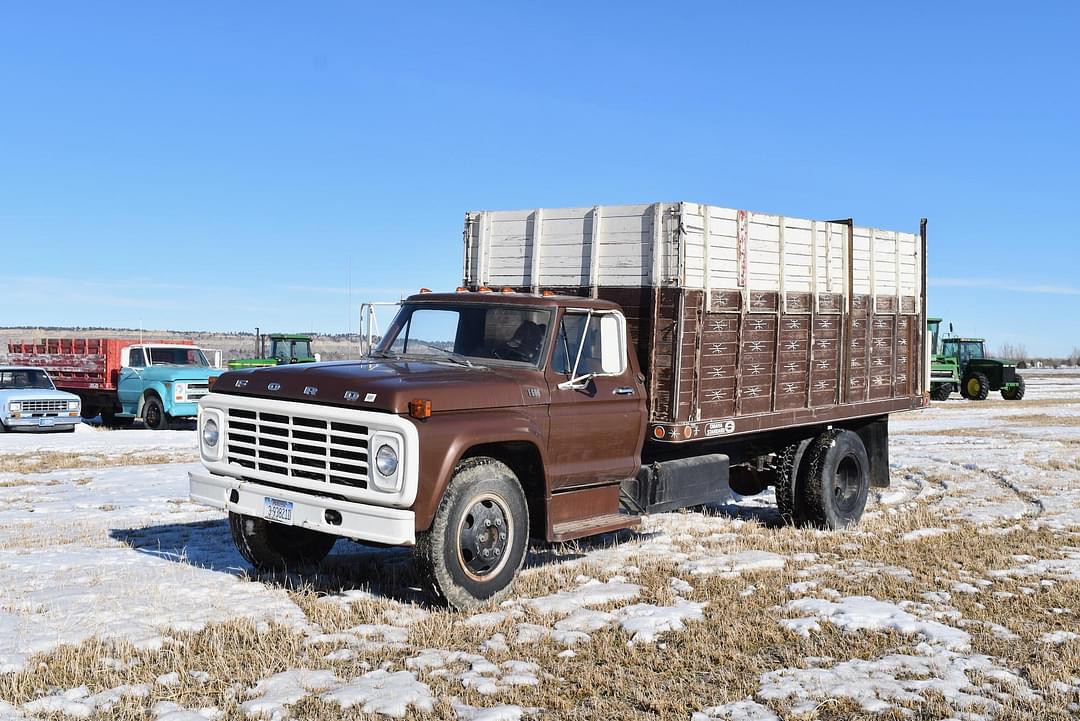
(719, 428)
(275, 510)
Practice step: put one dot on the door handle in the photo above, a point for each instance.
(624, 391)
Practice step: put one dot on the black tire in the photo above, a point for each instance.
(270, 546)
(942, 392)
(1017, 394)
(790, 474)
(837, 480)
(154, 415)
(465, 568)
(975, 386)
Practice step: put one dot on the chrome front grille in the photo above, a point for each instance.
(295, 446)
(195, 391)
(44, 406)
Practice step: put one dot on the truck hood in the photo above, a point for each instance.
(389, 385)
(171, 373)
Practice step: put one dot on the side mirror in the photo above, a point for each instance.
(611, 355)
(950, 328)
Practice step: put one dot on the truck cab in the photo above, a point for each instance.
(161, 382)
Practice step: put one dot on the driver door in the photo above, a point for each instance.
(597, 423)
(129, 385)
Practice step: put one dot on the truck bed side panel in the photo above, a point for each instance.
(755, 318)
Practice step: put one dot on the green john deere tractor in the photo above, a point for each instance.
(978, 374)
(285, 348)
(944, 369)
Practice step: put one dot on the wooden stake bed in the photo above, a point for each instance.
(742, 321)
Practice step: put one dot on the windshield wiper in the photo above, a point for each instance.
(451, 355)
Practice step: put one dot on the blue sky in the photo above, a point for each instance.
(224, 165)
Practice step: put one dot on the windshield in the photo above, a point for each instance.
(177, 357)
(467, 333)
(25, 378)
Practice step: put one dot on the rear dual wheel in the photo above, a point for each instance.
(824, 481)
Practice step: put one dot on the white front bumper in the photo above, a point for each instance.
(359, 521)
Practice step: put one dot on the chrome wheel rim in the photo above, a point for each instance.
(483, 537)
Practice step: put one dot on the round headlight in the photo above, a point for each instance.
(210, 432)
(386, 460)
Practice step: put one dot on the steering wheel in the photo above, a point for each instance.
(509, 352)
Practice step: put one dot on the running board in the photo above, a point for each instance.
(570, 530)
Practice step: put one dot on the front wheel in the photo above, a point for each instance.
(270, 546)
(154, 414)
(478, 540)
(837, 481)
(1017, 393)
(942, 392)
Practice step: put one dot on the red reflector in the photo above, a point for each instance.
(420, 408)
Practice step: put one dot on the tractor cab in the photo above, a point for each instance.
(964, 350)
(285, 349)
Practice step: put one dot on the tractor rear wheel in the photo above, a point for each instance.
(975, 386)
(1017, 393)
(942, 392)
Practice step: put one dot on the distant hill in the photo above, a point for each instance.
(333, 346)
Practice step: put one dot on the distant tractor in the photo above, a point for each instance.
(978, 374)
(944, 369)
(285, 349)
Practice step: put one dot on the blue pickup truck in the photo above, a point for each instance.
(123, 380)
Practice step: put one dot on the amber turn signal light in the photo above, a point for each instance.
(462, 289)
(425, 290)
(420, 409)
(210, 383)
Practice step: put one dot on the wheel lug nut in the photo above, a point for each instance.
(487, 523)
(497, 552)
(498, 523)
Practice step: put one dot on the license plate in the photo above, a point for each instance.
(275, 510)
(46, 421)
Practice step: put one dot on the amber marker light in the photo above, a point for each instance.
(462, 289)
(425, 290)
(483, 289)
(420, 409)
(507, 290)
(658, 431)
(548, 293)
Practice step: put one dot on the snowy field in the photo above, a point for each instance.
(957, 597)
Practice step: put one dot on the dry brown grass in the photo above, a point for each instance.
(715, 661)
(46, 461)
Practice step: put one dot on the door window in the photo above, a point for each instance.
(137, 359)
(601, 353)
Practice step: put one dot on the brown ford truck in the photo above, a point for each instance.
(597, 364)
